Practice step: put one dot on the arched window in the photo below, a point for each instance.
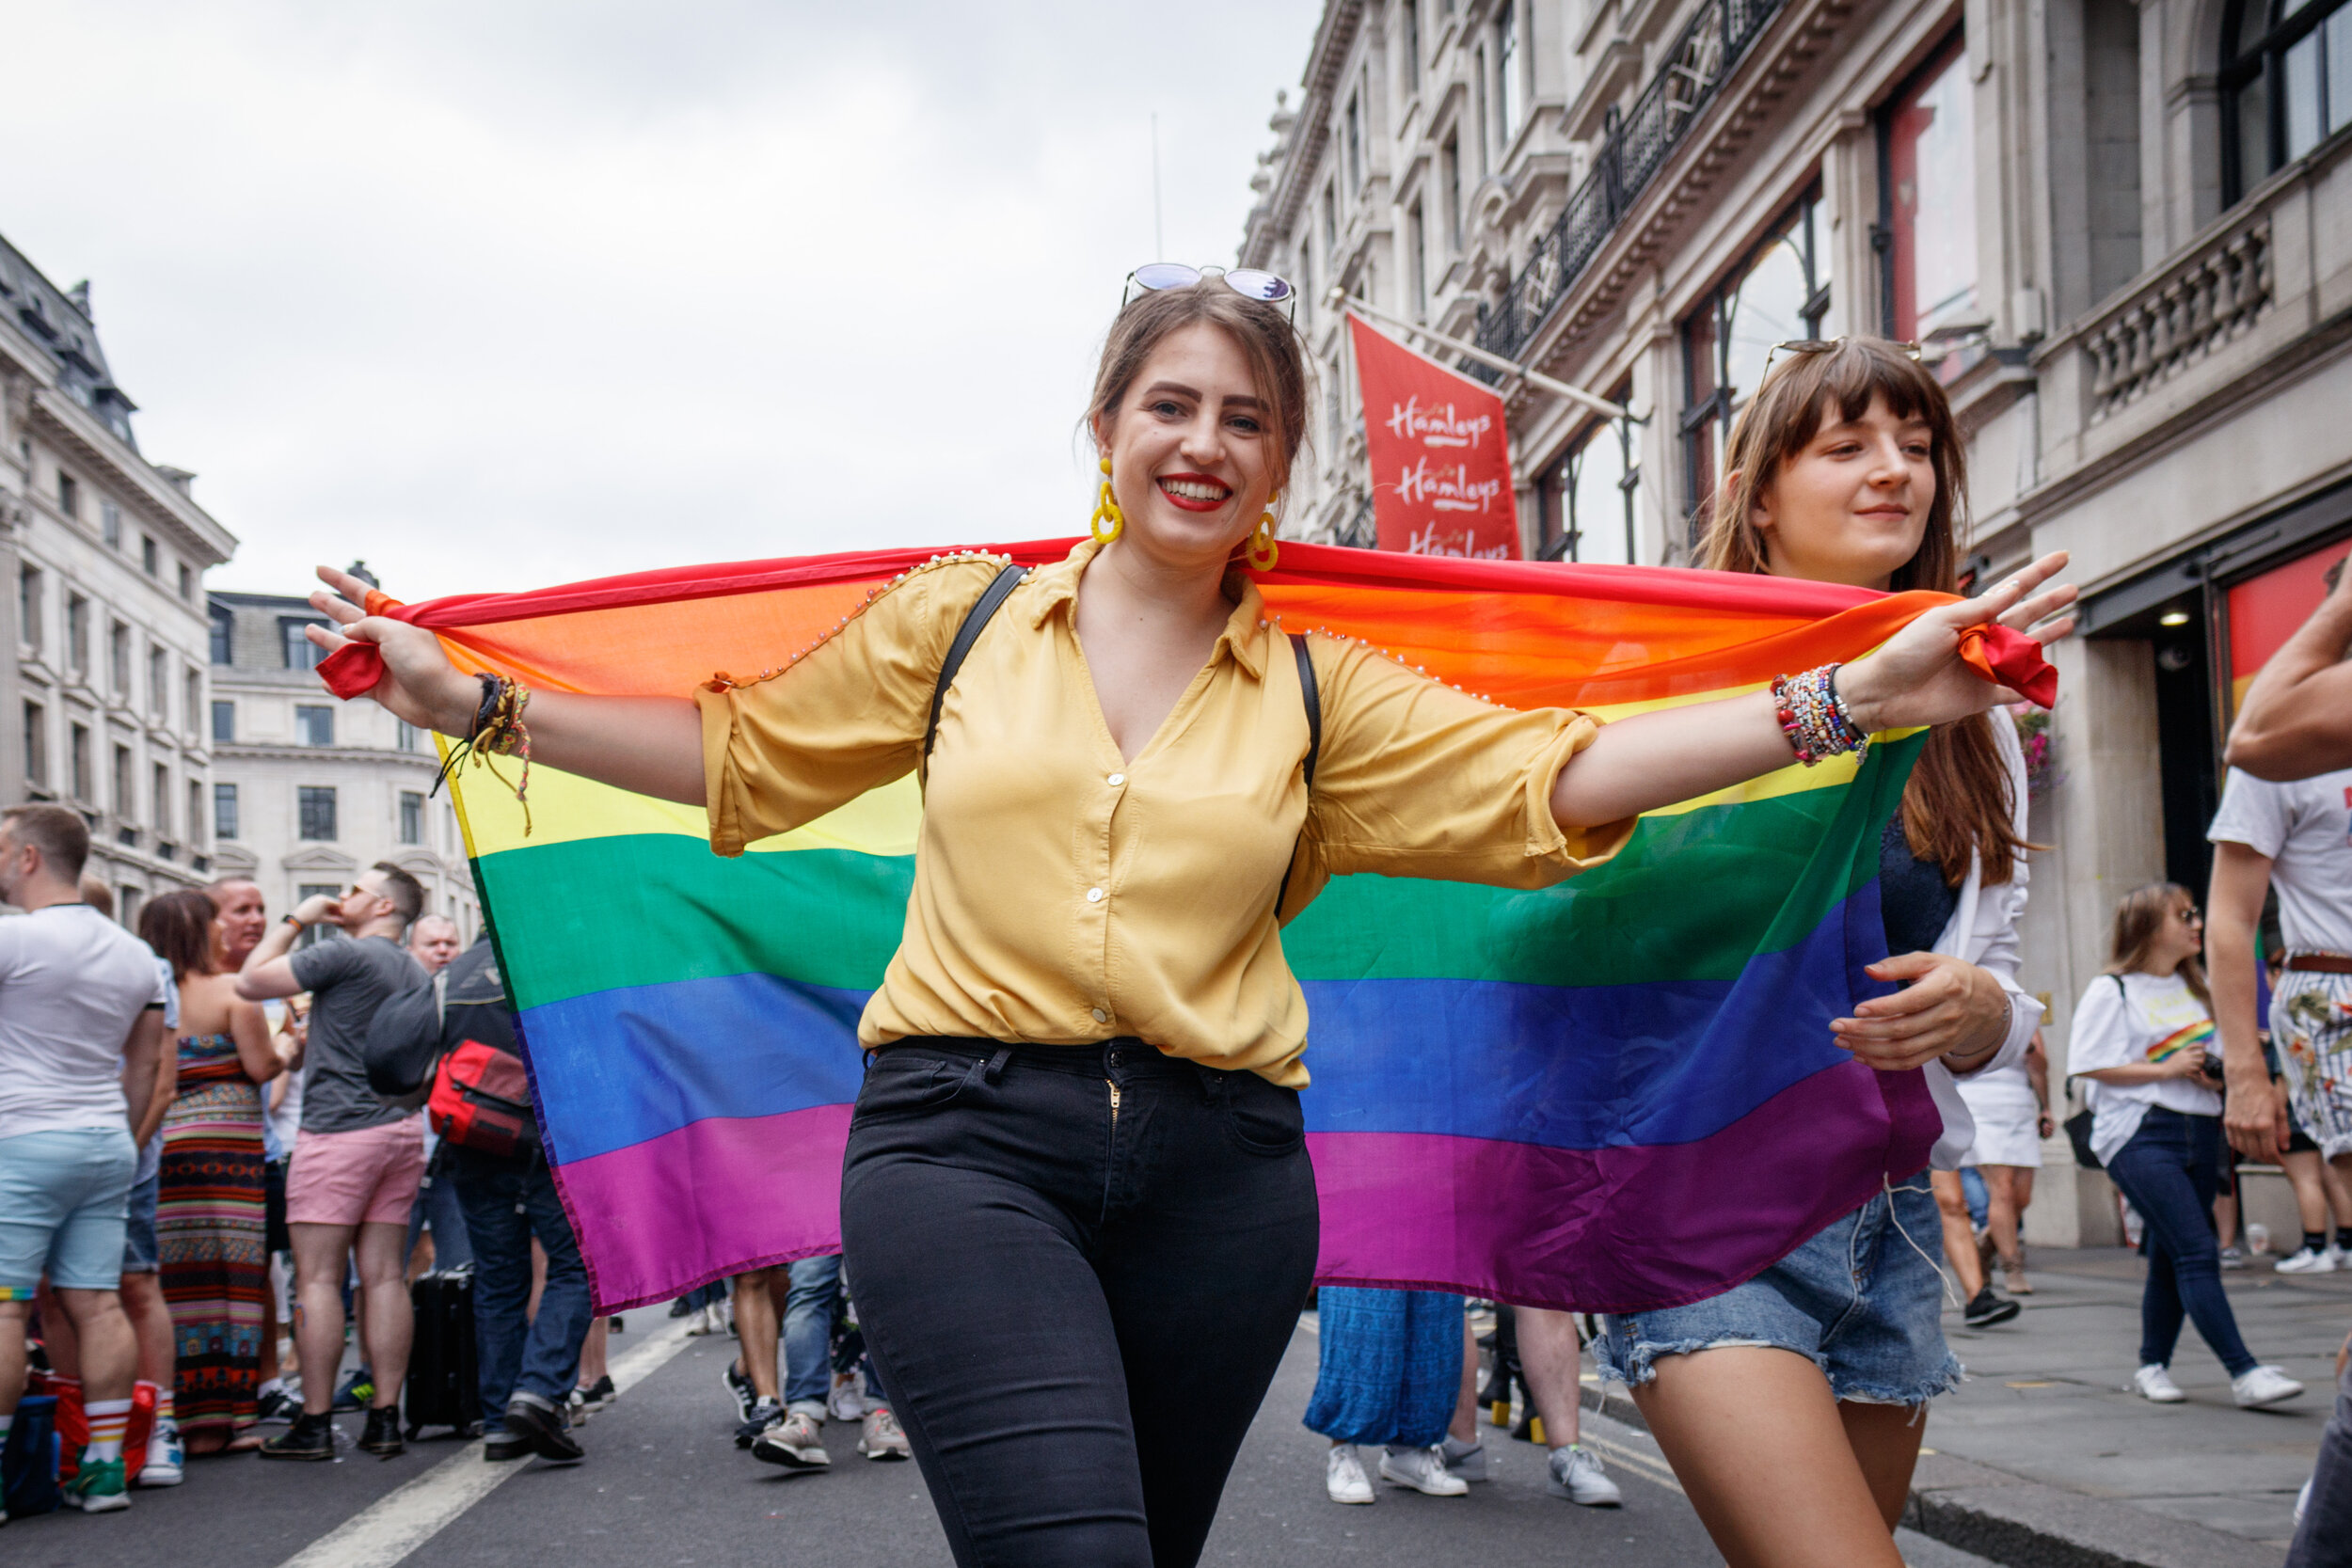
(2287, 85)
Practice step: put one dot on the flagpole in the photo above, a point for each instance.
(1341, 298)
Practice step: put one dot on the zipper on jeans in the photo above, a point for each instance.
(1114, 1088)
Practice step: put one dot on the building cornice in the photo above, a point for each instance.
(1303, 159)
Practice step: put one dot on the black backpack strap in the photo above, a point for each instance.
(975, 621)
(1312, 696)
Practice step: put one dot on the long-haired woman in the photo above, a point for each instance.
(2143, 1035)
(1077, 1196)
(1791, 1406)
(210, 1213)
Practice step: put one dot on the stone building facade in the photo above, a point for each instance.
(308, 792)
(104, 683)
(2120, 229)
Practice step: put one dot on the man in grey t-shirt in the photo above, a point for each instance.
(357, 1162)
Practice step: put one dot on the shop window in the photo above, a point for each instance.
(2287, 85)
(1779, 292)
(1929, 202)
(1586, 501)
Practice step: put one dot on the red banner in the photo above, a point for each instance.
(1440, 458)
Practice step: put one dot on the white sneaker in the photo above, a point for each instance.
(1343, 1478)
(1575, 1473)
(1467, 1460)
(2156, 1386)
(1423, 1470)
(2308, 1260)
(2262, 1385)
(167, 1457)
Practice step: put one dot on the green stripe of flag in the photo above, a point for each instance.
(1692, 897)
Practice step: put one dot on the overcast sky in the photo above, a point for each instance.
(509, 293)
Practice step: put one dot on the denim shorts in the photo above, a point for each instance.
(140, 1253)
(62, 1199)
(1863, 1300)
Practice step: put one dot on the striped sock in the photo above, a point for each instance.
(163, 1407)
(109, 1422)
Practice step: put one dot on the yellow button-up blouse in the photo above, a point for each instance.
(1064, 894)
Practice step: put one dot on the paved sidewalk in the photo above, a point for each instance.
(2046, 1456)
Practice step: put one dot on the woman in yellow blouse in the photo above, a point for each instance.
(1076, 1203)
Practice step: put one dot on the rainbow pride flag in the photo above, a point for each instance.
(2200, 1033)
(1617, 1093)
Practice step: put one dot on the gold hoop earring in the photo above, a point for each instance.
(1107, 509)
(1263, 550)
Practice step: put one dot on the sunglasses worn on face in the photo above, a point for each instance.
(1822, 345)
(1249, 282)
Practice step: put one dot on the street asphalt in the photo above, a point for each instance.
(665, 1487)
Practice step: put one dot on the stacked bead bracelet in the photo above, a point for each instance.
(1815, 717)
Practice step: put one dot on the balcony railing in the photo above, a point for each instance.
(1636, 147)
(2192, 311)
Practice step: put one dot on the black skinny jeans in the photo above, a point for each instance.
(1076, 1301)
(2170, 1170)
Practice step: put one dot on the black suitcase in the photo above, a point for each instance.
(444, 1379)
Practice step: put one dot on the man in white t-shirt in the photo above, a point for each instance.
(81, 1035)
(2296, 838)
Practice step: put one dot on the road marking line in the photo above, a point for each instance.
(1650, 1469)
(386, 1531)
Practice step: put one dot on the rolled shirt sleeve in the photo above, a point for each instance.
(1418, 779)
(839, 718)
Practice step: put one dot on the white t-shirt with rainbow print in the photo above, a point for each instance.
(2148, 1017)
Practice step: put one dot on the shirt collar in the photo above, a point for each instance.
(1246, 629)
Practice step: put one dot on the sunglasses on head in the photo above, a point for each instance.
(1249, 283)
(1797, 346)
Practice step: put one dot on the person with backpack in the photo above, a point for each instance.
(453, 1042)
(2143, 1035)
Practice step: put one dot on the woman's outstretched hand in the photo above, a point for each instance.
(420, 684)
(1919, 678)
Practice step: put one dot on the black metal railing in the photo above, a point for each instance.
(1633, 148)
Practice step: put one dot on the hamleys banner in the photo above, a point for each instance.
(1440, 461)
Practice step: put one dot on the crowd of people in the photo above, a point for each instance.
(194, 1157)
(1040, 1288)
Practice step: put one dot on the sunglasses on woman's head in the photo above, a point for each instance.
(1249, 282)
(1822, 345)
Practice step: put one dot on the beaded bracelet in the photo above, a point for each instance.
(1814, 718)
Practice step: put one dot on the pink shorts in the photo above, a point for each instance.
(365, 1177)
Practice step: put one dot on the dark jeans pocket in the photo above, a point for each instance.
(1262, 1118)
(903, 1083)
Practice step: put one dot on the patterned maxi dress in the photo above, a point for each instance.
(208, 1220)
